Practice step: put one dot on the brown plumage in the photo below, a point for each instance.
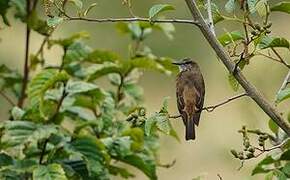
(190, 91)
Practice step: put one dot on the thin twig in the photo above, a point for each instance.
(213, 107)
(272, 58)
(26, 63)
(169, 165)
(126, 19)
(285, 82)
(2, 93)
(220, 177)
(43, 151)
(134, 19)
(280, 57)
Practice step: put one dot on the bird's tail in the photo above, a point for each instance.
(190, 130)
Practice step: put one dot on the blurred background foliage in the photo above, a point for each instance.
(209, 154)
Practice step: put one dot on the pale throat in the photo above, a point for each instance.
(184, 67)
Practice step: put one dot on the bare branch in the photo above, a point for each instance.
(225, 58)
(134, 19)
(212, 108)
(2, 93)
(285, 82)
(280, 57)
(126, 19)
(210, 19)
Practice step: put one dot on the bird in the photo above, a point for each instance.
(190, 93)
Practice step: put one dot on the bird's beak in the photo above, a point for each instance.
(177, 63)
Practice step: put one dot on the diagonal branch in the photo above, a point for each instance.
(210, 19)
(285, 82)
(8, 99)
(225, 58)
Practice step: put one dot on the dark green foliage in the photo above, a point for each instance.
(105, 124)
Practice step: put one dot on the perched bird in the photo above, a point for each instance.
(190, 91)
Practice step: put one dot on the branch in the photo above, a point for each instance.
(210, 19)
(129, 19)
(26, 63)
(280, 58)
(274, 59)
(249, 88)
(134, 19)
(285, 82)
(7, 98)
(30, 6)
(213, 107)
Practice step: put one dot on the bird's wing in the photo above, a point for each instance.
(200, 89)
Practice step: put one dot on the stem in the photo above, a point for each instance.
(133, 19)
(43, 151)
(209, 12)
(2, 93)
(30, 6)
(212, 108)
(280, 57)
(224, 57)
(285, 82)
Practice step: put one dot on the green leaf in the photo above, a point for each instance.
(5, 160)
(273, 126)
(261, 7)
(77, 87)
(100, 56)
(120, 171)
(283, 95)
(147, 166)
(252, 5)
(148, 64)
(164, 108)
(281, 7)
(285, 156)
(120, 147)
(54, 21)
(99, 70)
(49, 172)
(77, 3)
(88, 148)
(280, 175)
(260, 166)
(38, 25)
(10, 79)
(17, 113)
(167, 28)
(230, 37)
(4, 6)
(43, 81)
(233, 82)
(230, 6)
(20, 132)
(77, 51)
(20, 6)
(286, 169)
(217, 17)
(66, 42)
(159, 8)
(272, 42)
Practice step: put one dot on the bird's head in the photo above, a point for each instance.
(185, 64)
